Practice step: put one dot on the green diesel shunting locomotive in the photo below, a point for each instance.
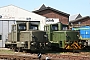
(61, 37)
(25, 35)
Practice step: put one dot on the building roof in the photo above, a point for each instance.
(12, 12)
(74, 17)
(78, 19)
(43, 7)
(40, 7)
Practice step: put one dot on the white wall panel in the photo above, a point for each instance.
(5, 29)
(0, 33)
(0, 27)
(10, 25)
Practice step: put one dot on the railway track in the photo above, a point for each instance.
(51, 57)
(17, 57)
(68, 57)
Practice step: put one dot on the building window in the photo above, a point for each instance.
(79, 23)
(0, 37)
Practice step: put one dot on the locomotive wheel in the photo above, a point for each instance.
(24, 51)
(13, 49)
(18, 49)
(76, 51)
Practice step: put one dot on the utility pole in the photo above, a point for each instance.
(2, 33)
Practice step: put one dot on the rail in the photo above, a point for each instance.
(51, 56)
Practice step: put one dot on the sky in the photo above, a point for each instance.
(68, 6)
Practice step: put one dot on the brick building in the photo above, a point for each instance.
(82, 21)
(49, 12)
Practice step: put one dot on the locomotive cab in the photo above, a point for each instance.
(26, 35)
(61, 37)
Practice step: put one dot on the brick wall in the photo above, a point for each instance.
(52, 14)
(83, 21)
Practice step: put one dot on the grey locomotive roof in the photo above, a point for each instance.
(43, 7)
(79, 19)
(74, 17)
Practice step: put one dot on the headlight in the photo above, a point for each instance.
(80, 42)
(46, 43)
(67, 42)
(22, 43)
(33, 36)
(45, 35)
(78, 35)
(32, 43)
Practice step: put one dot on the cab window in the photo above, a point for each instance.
(33, 27)
(55, 27)
(22, 27)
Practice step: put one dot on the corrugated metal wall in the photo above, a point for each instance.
(5, 28)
